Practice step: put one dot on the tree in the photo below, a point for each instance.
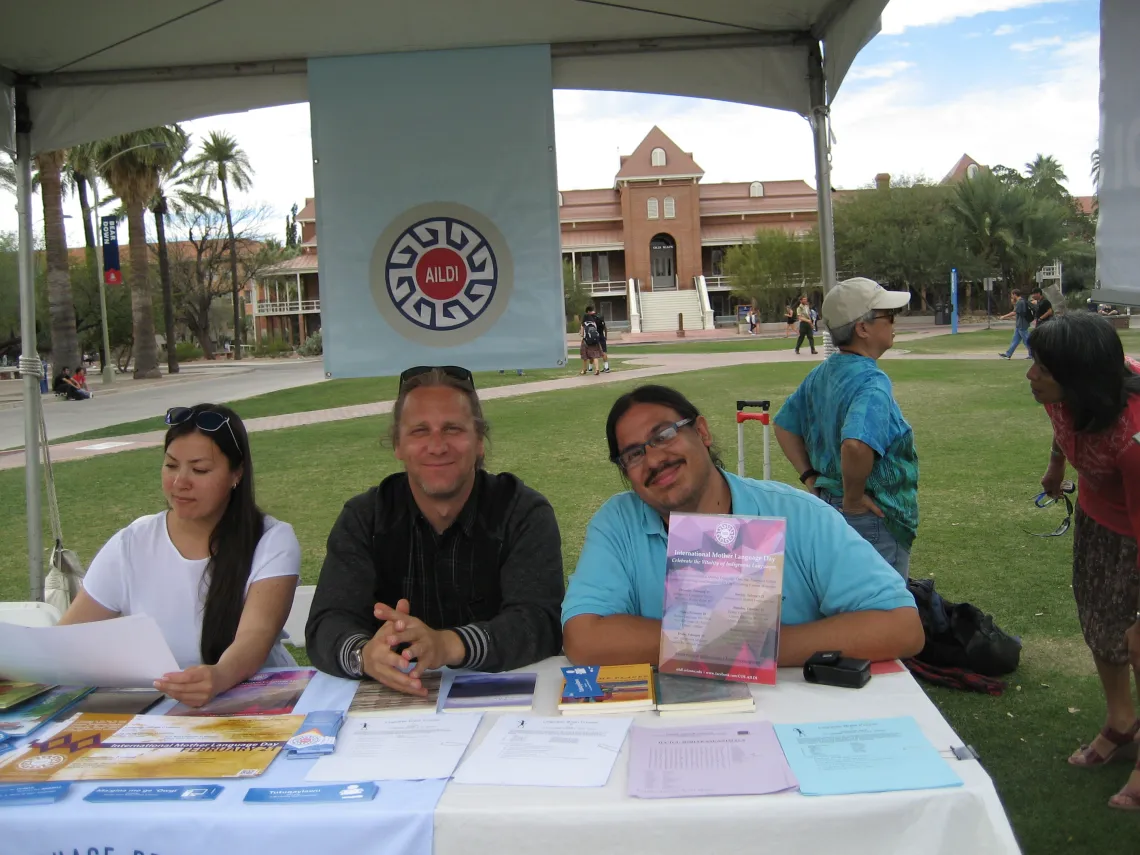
(575, 295)
(200, 271)
(291, 228)
(771, 269)
(1045, 178)
(176, 193)
(131, 164)
(221, 162)
(7, 175)
(61, 306)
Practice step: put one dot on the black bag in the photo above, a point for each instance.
(960, 635)
(590, 333)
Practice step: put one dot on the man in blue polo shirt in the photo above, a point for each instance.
(839, 594)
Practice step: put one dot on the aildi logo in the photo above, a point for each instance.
(725, 534)
(441, 274)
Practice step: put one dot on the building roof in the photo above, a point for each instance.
(639, 165)
(305, 263)
(592, 239)
(583, 205)
(958, 171)
(778, 197)
(308, 214)
(739, 231)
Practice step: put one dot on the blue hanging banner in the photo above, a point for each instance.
(112, 272)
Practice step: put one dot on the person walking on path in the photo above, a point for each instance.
(1091, 393)
(1022, 316)
(789, 320)
(803, 314)
(752, 320)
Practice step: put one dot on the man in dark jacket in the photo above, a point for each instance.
(442, 564)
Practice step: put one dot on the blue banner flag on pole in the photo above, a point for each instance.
(112, 272)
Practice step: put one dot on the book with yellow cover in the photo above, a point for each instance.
(92, 746)
(625, 689)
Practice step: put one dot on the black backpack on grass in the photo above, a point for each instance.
(960, 635)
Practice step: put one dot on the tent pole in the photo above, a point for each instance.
(30, 365)
(820, 130)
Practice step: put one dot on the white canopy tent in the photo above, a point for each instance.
(121, 65)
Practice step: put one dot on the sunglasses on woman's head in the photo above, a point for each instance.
(205, 420)
(455, 372)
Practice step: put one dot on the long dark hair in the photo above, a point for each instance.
(234, 538)
(652, 393)
(1083, 353)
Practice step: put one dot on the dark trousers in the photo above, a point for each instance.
(805, 332)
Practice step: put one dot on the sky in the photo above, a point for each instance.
(1000, 80)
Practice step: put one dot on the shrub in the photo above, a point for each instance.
(272, 346)
(186, 351)
(312, 346)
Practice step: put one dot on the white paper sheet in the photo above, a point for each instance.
(125, 653)
(382, 748)
(546, 752)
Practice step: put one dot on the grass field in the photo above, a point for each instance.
(344, 393)
(983, 445)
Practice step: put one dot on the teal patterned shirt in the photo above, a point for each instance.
(848, 396)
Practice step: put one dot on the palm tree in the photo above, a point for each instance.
(61, 305)
(175, 194)
(984, 207)
(1046, 177)
(1094, 169)
(222, 162)
(7, 175)
(130, 165)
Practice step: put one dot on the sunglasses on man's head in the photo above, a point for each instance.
(1045, 501)
(208, 421)
(455, 372)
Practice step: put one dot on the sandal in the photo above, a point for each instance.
(1086, 756)
(1126, 799)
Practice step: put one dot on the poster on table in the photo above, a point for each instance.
(437, 211)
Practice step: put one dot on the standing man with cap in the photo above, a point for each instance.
(843, 431)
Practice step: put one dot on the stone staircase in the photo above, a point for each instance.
(659, 310)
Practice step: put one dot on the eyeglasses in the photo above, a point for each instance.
(205, 420)
(889, 317)
(1044, 501)
(455, 372)
(635, 454)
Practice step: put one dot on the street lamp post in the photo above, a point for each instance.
(108, 362)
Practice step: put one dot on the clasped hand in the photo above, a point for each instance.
(423, 649)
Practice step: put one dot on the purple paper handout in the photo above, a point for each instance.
(732, 759)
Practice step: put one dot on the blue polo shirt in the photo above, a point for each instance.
(828, 568)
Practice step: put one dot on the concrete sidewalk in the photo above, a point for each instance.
(654, 365)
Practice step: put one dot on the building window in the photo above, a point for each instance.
(559, 200)
(670, 208)
(717, 261)
(603, 267)
(972, 171)
(587, 268)
(657, 157)
(756, 190)
(651, 208)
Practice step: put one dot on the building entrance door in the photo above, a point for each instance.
(663, 263)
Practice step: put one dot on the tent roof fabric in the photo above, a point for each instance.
(120, 65)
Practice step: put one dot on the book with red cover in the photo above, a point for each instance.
(723, 586)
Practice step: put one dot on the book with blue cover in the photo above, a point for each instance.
(30, 716)
(490, 692)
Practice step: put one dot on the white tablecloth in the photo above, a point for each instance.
(474, 820)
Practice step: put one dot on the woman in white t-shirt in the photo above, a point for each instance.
(214, 571)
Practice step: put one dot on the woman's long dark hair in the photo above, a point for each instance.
(233, 540)
(1084, 354)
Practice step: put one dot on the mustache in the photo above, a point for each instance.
(654, 473)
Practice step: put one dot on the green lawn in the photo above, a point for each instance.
(736, 345)
(344, 393)
(990, 342)
(983, 445)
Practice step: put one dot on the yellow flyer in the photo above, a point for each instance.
(94, 746)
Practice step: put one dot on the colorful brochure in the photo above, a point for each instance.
(723, 586)
(117, 747)
(265, 693)
(13, 693)
(490, 692)
(29, 717)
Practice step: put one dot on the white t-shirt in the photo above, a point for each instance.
(139, 571)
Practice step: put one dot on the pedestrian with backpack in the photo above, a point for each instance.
(590, 350)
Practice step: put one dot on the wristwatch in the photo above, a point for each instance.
(809, 473)
(356, 659)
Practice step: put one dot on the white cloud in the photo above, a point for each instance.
(882, 71)
(902, 14)
(1006, 29)
(1036, 44)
